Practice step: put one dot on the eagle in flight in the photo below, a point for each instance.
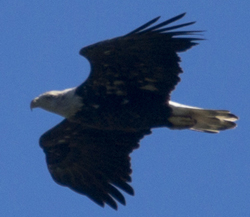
(126, 95)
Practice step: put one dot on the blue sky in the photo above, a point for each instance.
(175, 173)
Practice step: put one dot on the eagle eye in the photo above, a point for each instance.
(48, 97)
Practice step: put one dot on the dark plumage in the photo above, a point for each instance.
(126, 95)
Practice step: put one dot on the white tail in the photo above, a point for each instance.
(205, 120)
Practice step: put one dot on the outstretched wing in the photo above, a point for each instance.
(141, 64)
(91, 162)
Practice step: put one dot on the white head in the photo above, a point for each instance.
(64, 103)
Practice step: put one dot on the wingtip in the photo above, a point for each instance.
(183, 14)
(179, 16)
(156, 19)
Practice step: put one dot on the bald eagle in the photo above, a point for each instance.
(126, 95)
